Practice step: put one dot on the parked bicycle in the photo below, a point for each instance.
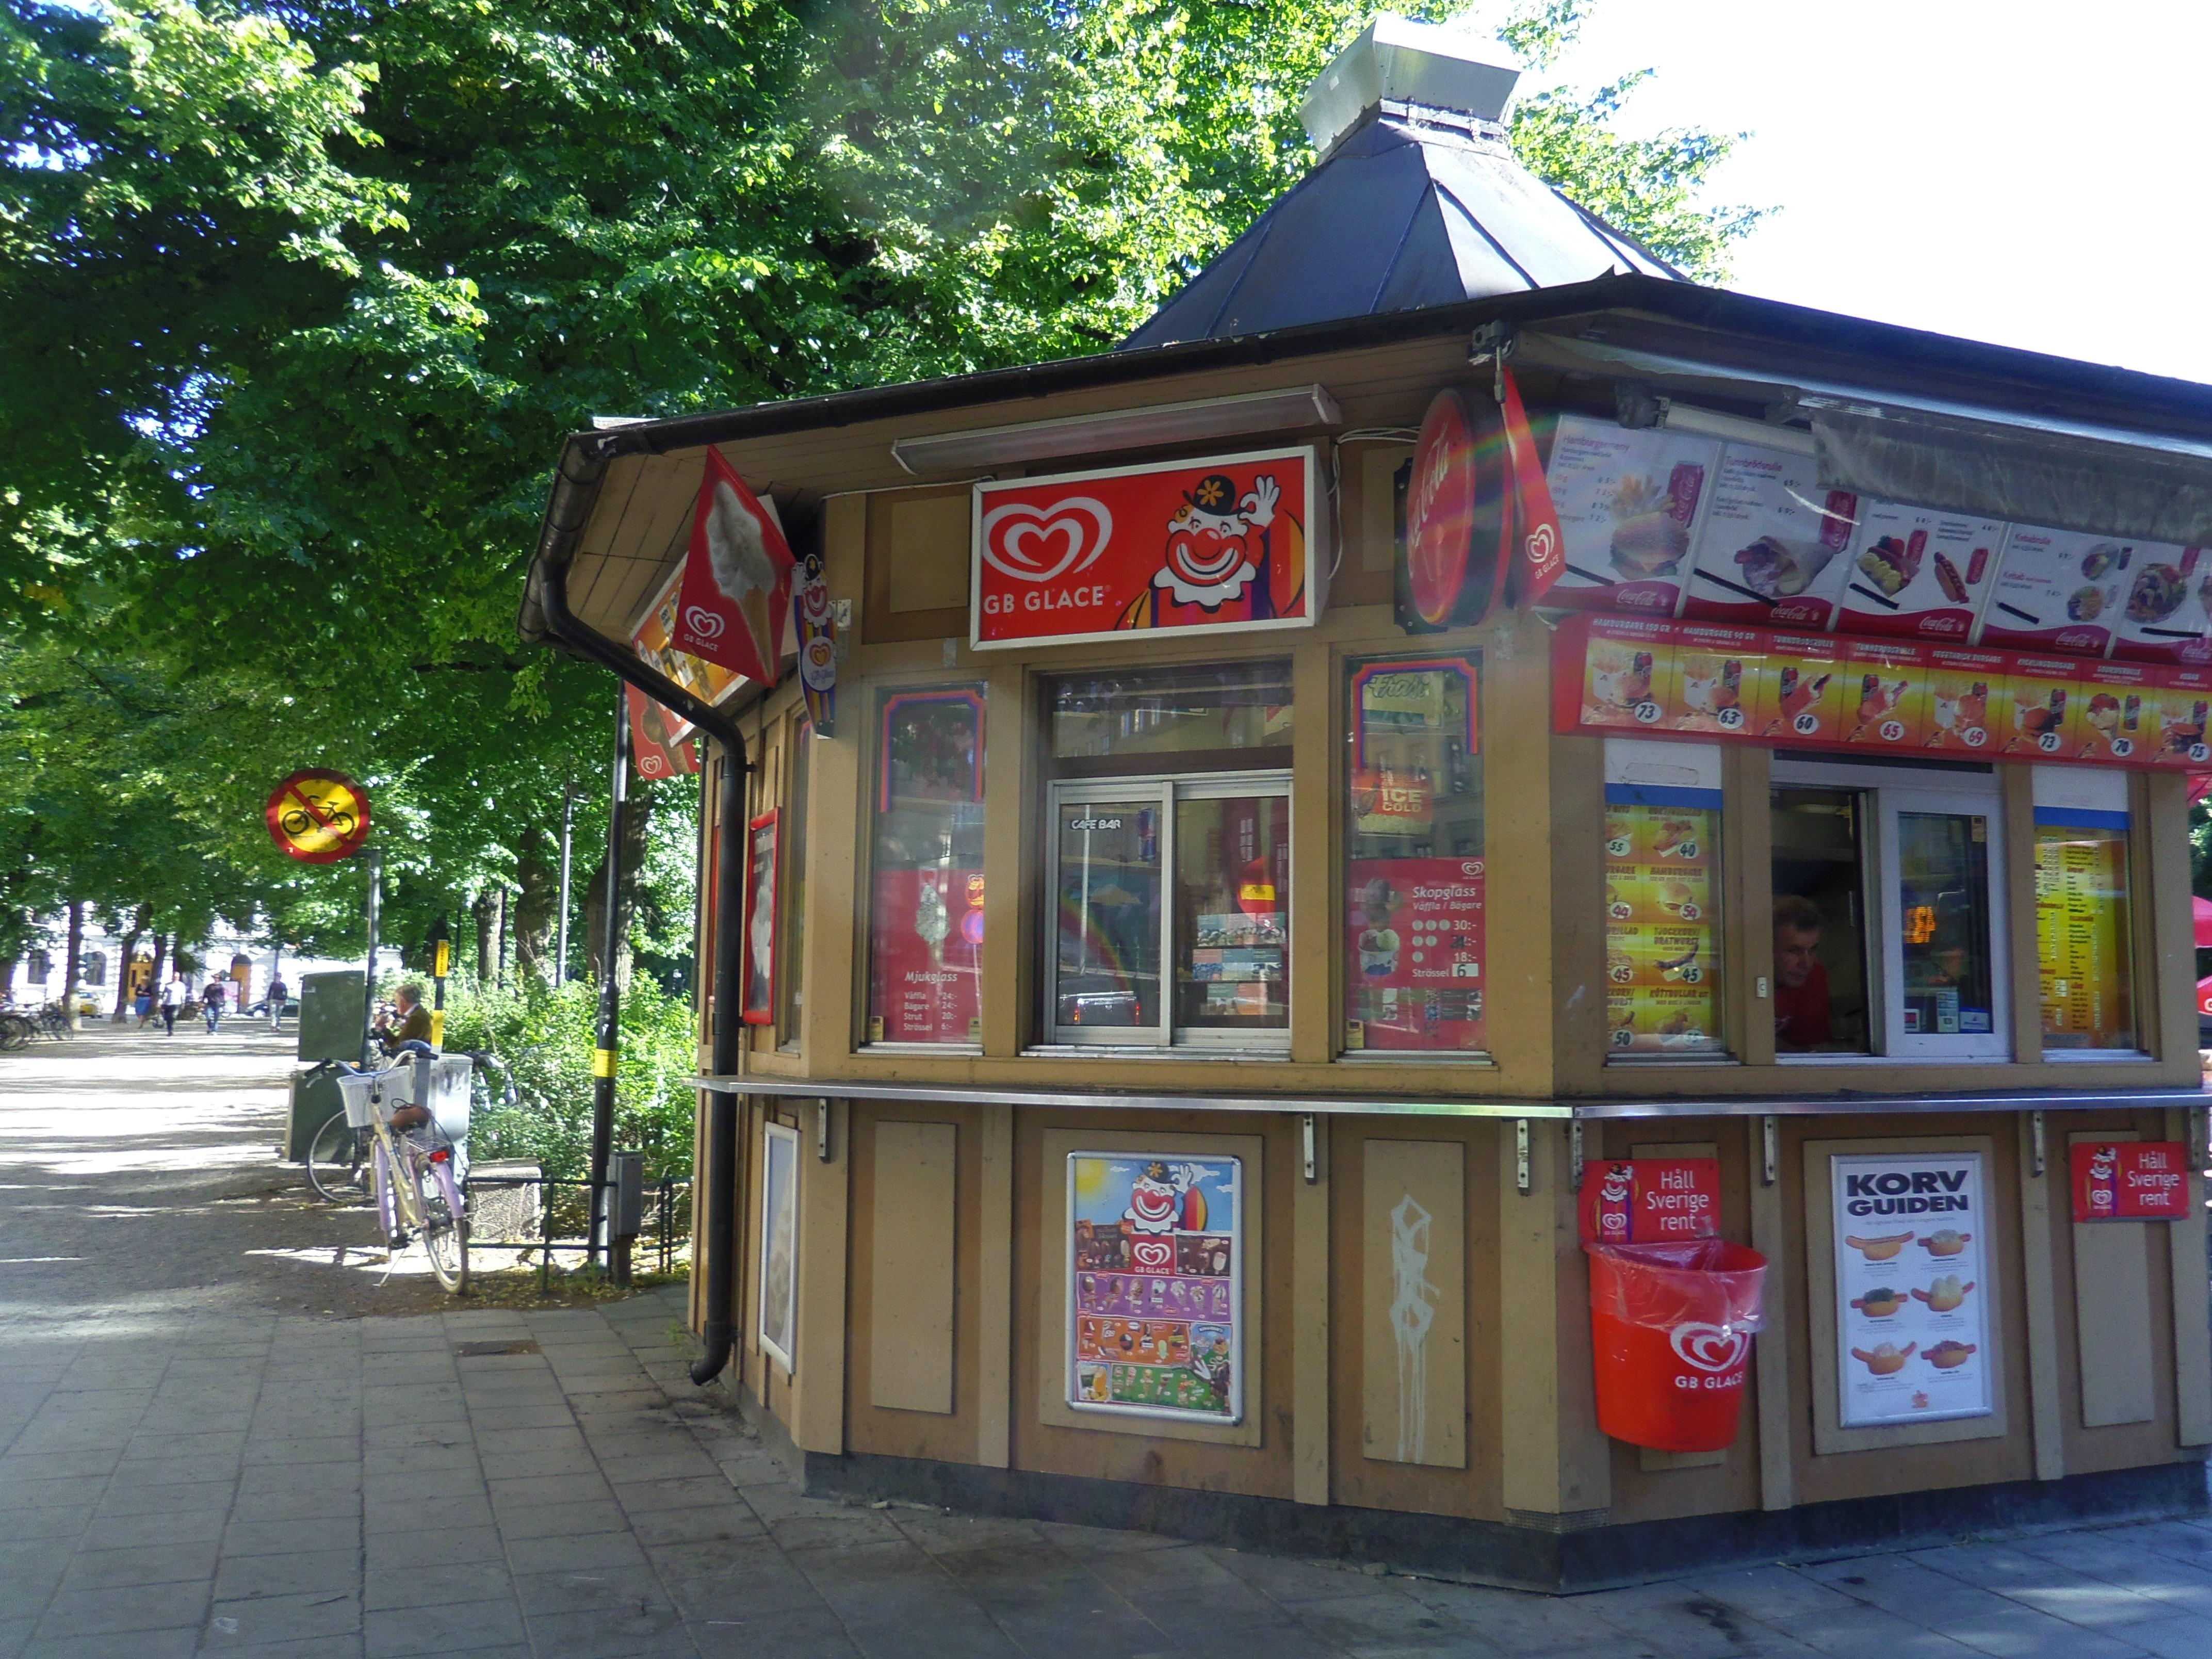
(417, 1178)
(21, 1026)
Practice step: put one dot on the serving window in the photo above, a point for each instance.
(926, 870)
(1169, 872)
(1415, 874)
(1888, 912)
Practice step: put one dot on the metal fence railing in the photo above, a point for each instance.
(563, 1217)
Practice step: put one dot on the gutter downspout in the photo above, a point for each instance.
(721, 1236)
(575, 491)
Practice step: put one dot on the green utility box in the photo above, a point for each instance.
(315, 1102)
(330, 1024)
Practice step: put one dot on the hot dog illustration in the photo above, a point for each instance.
(1879, 1249)
(1948, 1242)
(1886, 1360)
(1945, 1294)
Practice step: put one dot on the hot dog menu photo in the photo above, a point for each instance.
(1912, 1288)
(1919, 574)
(1628, 501)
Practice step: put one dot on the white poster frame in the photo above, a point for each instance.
(778, 1146)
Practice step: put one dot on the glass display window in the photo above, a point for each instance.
(1170, 900)
(1663, 901)
(1896, 873)
(2084, 937)
(1214, 717)
(926, 870)
(1415, 872)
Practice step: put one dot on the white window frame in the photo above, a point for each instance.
(1906, 789)
(1161, 791)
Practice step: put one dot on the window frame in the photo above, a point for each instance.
(1891, 791)
(1163, 790)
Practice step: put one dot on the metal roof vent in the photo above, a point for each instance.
(1397, 61)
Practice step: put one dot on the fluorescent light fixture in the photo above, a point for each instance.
(1289, 409)
(1687, 418)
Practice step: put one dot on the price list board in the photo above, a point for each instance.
(2081, 934)
(1661, 916)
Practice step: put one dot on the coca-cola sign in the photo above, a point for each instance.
(1225, 543)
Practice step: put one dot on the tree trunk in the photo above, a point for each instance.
(480, 913)
(637, 818)
(534, 904)
(7, 978)
(123, 970)
(74, 960)
(491, 912)
(161, 963)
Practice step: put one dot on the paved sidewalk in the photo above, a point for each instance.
(507, 1484)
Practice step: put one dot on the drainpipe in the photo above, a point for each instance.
(721, 1237)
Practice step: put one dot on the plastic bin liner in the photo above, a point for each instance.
(1670, 1330)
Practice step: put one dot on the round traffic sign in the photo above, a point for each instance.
(318, 817)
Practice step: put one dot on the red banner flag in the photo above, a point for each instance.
(653, 751)
(736, 597)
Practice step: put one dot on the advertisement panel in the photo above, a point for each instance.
(1774, 548)
(1154, 1281)
(1918, 574)
(1228, 544)
(1912, 1288)
(2131, 1181)
(1650, 1200)
(1481, 528)
(651, 639)
(1663, 990)
(2082, 947)
(1628, 501)
(1415, 941)
(2058, 590)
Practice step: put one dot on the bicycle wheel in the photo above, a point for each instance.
(445, 1225)
(336, 1168)
(15, 1032)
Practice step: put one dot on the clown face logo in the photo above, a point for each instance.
(1216, 540)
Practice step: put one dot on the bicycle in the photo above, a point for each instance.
(419, 1186)
(17, 1030)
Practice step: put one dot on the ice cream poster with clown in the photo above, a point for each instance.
(1223, 544)
(1155, 1285)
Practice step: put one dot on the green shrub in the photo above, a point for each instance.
(546, 1036)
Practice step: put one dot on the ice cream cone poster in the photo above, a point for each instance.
(2047, 708)
(2058, 590)
(2131, 1180)
(1227, 543)
(1774, 551)
(654, 751)
(1155, 1303)
(1918, 573)
(1886, 694)
(2119, 712)
(2185, 703)
(1912, 1277)
(709, 682)
(1969, 700)
(1802, 687)
(1628, 501)
(734, 606)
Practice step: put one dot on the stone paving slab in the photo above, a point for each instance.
(187, 1484)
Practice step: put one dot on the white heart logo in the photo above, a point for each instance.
(1714, 1348)
(704, 624)
(1543, 544)
(1042, 544)
(1152, 1253)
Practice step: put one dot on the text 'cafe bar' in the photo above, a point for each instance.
(1470, 907)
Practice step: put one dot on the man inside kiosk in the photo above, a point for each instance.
(1800, 988)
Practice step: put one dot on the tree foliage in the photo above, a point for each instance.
(299, 297)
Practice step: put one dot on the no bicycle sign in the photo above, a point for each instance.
(318, 817)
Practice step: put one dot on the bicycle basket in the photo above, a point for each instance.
(370, 1096)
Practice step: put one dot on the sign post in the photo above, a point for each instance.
(368, 980)
(441, 964)
(319, 816)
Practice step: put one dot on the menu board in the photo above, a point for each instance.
(2058, 589)
(1416, 947)
(1774, 547)
(1663, 990)
(2081, 942)
(1969, 700)
(1618, 675)
(1628, 500)
(1918, 574)
(2168, 614)
(925, 958)
(1155, 1263)
(1886, 694)
(1912, 1288)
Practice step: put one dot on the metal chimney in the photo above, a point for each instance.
(1397, 61)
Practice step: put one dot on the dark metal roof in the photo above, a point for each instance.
(1413, 209)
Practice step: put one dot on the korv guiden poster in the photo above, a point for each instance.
(1912, 1288)
(1155, 1276)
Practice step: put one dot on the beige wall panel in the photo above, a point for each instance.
(2169, 1016)
(1009, 851)
(1747, 925)
(1414, 1294)
(1557, 1467)
(1774, 1372)
(1162, 1453)
(2039, 1295)
(2192, 1318)
(1522, 765)
(825, 1197)
(1316, 955)
(1310, 1312)
(910, 1303)
(994, 1289)
(930, 562)
(2112, 1312)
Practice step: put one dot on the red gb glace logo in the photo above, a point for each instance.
(1214, 544)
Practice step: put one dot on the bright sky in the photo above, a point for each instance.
(2008, 170)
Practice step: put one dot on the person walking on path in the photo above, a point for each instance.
(278, 991)
(211, 1004)
(173, 1002)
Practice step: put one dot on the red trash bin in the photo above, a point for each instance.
(1672, 1324)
